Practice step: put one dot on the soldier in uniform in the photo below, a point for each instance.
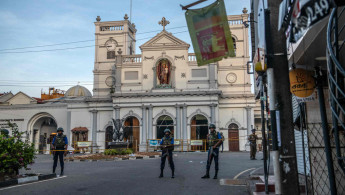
(214, 140)
(59, 144)
(252, 141)
(167, 146)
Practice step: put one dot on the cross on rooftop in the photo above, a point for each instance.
(164, 22)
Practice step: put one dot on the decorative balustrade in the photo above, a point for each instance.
(191, 57)
(111, 28)
(132, 59)
(235, 22)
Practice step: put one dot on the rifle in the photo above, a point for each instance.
(166, 152)
(211, 153)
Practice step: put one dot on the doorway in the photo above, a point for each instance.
(234, 142)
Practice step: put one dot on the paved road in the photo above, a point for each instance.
(140, 176)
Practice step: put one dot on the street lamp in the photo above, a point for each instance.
(246, 25)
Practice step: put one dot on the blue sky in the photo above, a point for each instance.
(31, 23)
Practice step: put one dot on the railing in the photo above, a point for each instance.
(191, 57)
(235, 22)
(132, 59)
(111, 28)
(336, 76)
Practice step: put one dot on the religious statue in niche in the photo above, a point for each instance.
(163, 72)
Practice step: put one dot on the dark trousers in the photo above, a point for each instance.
(170, 159)
(252, 151)
(58, 154)
(209, 159)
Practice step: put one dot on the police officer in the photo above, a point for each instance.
(214, 140)
(167, 146)
(59, 144)
(252, 141)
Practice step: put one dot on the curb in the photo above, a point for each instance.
(114, 159)
(26, 180)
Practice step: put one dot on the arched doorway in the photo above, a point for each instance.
(132, 132)
(108, 136)
(164, 122)
(234, 143)
(198, 130)
(43, 130)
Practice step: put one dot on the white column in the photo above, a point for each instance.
(68, 130)
(213, 116)
(178, 122)
(144, 125)
(150, 129)
(94, 130)
(184, 122)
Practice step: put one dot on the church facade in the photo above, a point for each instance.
(163, 87)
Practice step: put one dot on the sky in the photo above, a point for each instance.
(50, 43)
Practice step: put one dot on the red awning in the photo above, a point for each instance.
(79, 129)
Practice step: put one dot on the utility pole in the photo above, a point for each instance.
(282, 96)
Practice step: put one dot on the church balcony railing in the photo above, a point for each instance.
(132, 59)
(111, 28)
(235, 22)
(191, 57)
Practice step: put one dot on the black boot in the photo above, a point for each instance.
(172, 173)
(61, 174)
(54, 169)
(161, 175)
(215, 175)
(207, 174)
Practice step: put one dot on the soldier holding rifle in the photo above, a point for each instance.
(214, 140)
(167, 146)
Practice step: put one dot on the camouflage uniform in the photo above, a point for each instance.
(213, 138)
(167, 140)
(252, 140)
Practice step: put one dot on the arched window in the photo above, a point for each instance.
(164, 122)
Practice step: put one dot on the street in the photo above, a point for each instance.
(141, 176)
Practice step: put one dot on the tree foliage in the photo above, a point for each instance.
(14, 152)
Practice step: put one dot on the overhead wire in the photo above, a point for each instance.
(73, 42)
(34, 51)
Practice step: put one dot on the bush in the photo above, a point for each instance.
(15, 153)
(118, 151)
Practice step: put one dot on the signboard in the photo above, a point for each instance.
(153, 143)
(210, 33)
(196, 142)
(302, 84)
(83, 144)
(305, 14)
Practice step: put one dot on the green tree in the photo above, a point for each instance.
(14, 152)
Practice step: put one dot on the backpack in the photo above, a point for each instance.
(60, 141)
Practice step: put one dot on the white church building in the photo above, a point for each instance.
(162, 87)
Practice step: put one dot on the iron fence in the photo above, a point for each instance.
(318, 181)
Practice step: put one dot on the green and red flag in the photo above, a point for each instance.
(210, 33)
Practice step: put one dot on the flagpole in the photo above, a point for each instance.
(192, 4)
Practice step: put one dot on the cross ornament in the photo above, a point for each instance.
(164, 22)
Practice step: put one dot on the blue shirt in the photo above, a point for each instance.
(172, 141)
(64, 139)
